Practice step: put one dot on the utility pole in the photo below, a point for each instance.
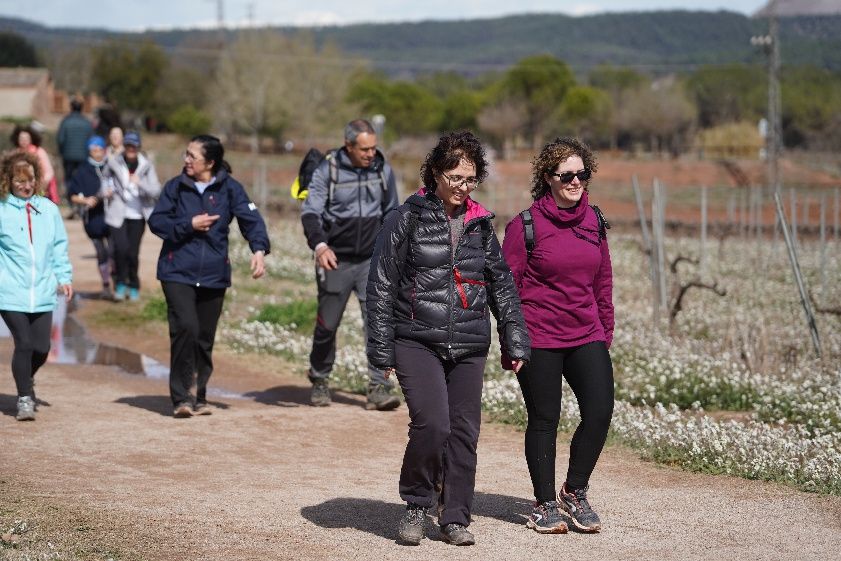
(771, 44)
(220, 19)
(251, 14)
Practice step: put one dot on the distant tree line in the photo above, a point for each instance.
(265, 85)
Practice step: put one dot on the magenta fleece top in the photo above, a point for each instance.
(566, 286)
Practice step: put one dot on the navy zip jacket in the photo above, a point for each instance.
(201, 258)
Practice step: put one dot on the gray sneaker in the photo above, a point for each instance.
(202, 408)
(456, 534)
(546, 519)
(320, 394)
(575, 504)
(26, 409)
(182, 411)
(412, 525)
(381, 398)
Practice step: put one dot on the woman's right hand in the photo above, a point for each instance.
(203, 222)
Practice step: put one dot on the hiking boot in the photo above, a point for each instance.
(182, 411)
(456, 534)
(381, 398)
(411, 528)
(202, 408)
(320, 394)
(26, 409)
(574, 503)
(546, 519)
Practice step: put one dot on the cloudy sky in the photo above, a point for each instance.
(142, 14)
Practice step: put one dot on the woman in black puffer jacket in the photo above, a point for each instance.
(437, 269)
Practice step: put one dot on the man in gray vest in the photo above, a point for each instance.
(350, 192)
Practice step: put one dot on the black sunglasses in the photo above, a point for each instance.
(568, 176)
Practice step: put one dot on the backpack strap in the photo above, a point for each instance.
(528, 231)
(383, 182)
(332, 161)
(604, 225)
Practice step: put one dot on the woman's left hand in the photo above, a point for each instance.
(258, 266)
(516, 365)
(67, 289)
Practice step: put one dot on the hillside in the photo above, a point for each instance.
(657, 42)
(787, 8)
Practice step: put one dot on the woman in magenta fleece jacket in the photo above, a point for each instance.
(565, 287)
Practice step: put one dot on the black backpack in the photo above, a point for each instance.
(528, 227)
(311, 161)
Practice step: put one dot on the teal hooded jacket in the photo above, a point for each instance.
(33, 254)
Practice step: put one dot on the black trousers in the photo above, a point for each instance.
(589, 372)
(445, 410)
(31, 334)
(193, 313)
(125, 242)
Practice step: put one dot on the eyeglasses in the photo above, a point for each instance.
(457, 180)
(190, 157)
(568, 176)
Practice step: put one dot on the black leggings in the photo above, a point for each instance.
(125, 242)
(589, 372)
(31, 334)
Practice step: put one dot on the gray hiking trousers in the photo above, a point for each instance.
(334, 288)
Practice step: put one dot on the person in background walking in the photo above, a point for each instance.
(85, 191)
(115, 142)
(72, 138)
(27, 139)
(350, 192)
(436, 270)
(130, 196)
(33, 263)
(565, 283)
(193, 218)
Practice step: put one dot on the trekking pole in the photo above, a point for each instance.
(798, 277)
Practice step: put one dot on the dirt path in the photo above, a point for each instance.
(105, 472)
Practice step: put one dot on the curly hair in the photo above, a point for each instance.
(15, 164)
(34, 135)
(450, 150)
(555, 152)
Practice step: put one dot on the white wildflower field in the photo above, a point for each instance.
(733, 386)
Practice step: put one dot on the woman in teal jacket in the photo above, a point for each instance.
(33, 262)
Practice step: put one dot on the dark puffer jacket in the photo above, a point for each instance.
(416, 292)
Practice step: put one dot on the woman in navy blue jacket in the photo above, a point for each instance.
(193, 217)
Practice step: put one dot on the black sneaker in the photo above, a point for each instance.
(575, 505)
(546, 519)
(411, 528)
(456, 534)
(320, 395)
(381, 398)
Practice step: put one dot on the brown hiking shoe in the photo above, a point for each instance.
(381, 398)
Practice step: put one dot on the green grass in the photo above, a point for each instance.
(300, 314)
(154, 310)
